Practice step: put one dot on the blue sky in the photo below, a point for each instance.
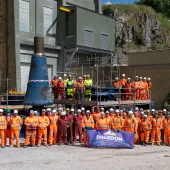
(118, 1)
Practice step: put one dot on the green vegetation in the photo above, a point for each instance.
(160, 6)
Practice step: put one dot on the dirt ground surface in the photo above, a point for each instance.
(80, 158)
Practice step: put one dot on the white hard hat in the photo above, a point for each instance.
(82, 109)
(145, 116)
(54, 111)
(102, 113)
(60, 109)
(164, 110)
(140, 77)
(149, 78)
(48, 110)
(116, 78)
(60, 78)
(128, 78)
(55, 75)
(136, 76)
(84, 76)
(144, 78)
(15, 111)
(121, 110)
(136, 108)
(35, 112)
(123, 75)
(142, 113)
(88, 111)
(88, 75)
(102, 108)
(43, 110)
(107, 112)
(111, 110)
(79, 111)
(31, 111)
(130, 112)
(63, 113)
(65, 75)
(72, 110)
(80, 78)
(141, 109)
(153, 110)
(1, 110)
(117, 111)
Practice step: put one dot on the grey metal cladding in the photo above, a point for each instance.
(89, 38)
(104, 41)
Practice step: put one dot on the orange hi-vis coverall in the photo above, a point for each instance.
(87, 124)
(8, 130)
(128, 91)
(156, 130)
(145, 95)
(43, 123)
(117, 123)
(52, 138)
(3, 125)
(135, 86)
(102, 124)
(109, 121)
(166, 126)
(145, 127)
(16, 123)
(138, 120)
(53, 85)
(149, 90)
(31, 124)
(141, 90)
(96, 116)
(130, 125)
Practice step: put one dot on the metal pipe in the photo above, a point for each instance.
(7, 52)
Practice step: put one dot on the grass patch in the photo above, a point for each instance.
(164, 21)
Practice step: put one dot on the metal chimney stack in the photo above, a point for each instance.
(38, 88)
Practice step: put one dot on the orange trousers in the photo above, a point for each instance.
(128, 94)
(145, 136)
(42, 133)
(2, 136)
(52, 137)
(15, 133)
(142, 94)
(137, 94)
(7, 134)
(30, 137)
(167, 136)
(156, 135)
(85, 138)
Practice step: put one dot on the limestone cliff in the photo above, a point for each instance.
(139, 28)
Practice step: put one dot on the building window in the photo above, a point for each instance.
(104, 41)
(69, 20)
(89, 38)
(24, 15)
(48, 17)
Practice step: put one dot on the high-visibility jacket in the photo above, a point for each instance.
(123, 82)
(117, 123)
(31, 123)
(3, 123)
(8, 121)
(130, 125)
(16, 122)
(150, 117)
(80, 84)
(135, 85)
(53, 121)
(128, 86)
(43, 122)
(117, 84)
(70, 84)
(88, 82)
(88, 122)
(149, 85)
(53, 82)
(145, 84)
(109, 121)
(96, 116)
(102, 124)
(65, 82)
(156, 124)
(60, 84)
(145, 125)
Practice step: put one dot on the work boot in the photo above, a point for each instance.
(2, 146)
(145, 144)
(50, 145)
(25, 146)
(11, 146)
(46, 145)
(38, 145)
(59, 143)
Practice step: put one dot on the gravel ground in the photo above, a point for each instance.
(80, 158)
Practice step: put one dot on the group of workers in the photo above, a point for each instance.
(139, 89)
(68, 126)
(70, 89)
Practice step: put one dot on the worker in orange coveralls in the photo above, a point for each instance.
(145, 85)
(16, 123)
(8, 129)
(3, 126)
(135, 87)
(141, 89)
(156, 130)
(36, 116)
(149, 88)
(60, 88)
(52, 138)
(102, 123)
(112, 114)
(53, 85)
(145, 127)
(31, 124)
(96, 115)
(117, 122)
(166, 125)
(130, 125)
(43, 123)
(108, 119)
(138, 120)
(123, 82)
(117, 87)
(87, 124)
(128, 89)
(62, 129)
(77, 126)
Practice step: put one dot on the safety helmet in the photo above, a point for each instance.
(102, 113)
(65, 75)
(63, 113)
(79, 111)
(80, 78)
(8, 111)
(82, 109)
(130, 112)
(15, 111)
(67, 109)
(72, 110)
(111, 110)
(117, 111)
(123, 75)
(1, 110)
(145, 116)
(31, 111)
(54, 111)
